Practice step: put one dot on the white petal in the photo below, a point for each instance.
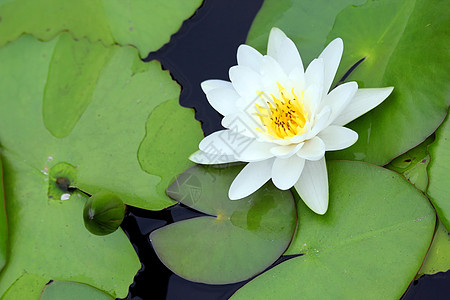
(313, 149)
(251, 178)
(363, 101)
(249, 57)
(286, 172)
(321, 122)
(314, 74)
(204, 158)
(312, 186)
(244, 123)
(303, 137)
(313, 97)
(211, 84)
(248, 104)
(245, 81)
(331, 56)
(255, 151)
(339, 98)
(337, 137)
(224, 142)
(297, 76)
(223, 99)
(283, 50)
(286, 141)
(286, 151)
(271, 73)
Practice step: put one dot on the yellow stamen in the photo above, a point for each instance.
(285, 117)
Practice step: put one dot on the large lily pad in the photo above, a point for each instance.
(98, 152)
(3, 223)
(103, 139)
(48, 239)
(412, 31)
(146, 25)
(306, 22)
(72, 291)
(237, 240)
(439, 170)
(404, 44)
(369, 244)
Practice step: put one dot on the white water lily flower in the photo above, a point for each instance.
(281, 119)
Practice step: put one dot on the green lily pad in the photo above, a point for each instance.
(413, 165)
(437, 259)
(439, 170)
(3, 223)
(306, 22)
(393, 36)
(146, 25)
(104, 142)
(409, 28)
(238, 239)
(72, 291)
(99, 153)
(369, 244)
(61, 246)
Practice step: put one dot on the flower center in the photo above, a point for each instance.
(286, 117)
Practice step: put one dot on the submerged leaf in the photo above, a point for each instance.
(171, 136)
(413, 165)
(438, 258)
(369, 244)
(237, 240)
(27, 286)
(74, 70)
(72, 291)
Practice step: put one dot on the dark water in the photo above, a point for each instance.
(205, 48)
